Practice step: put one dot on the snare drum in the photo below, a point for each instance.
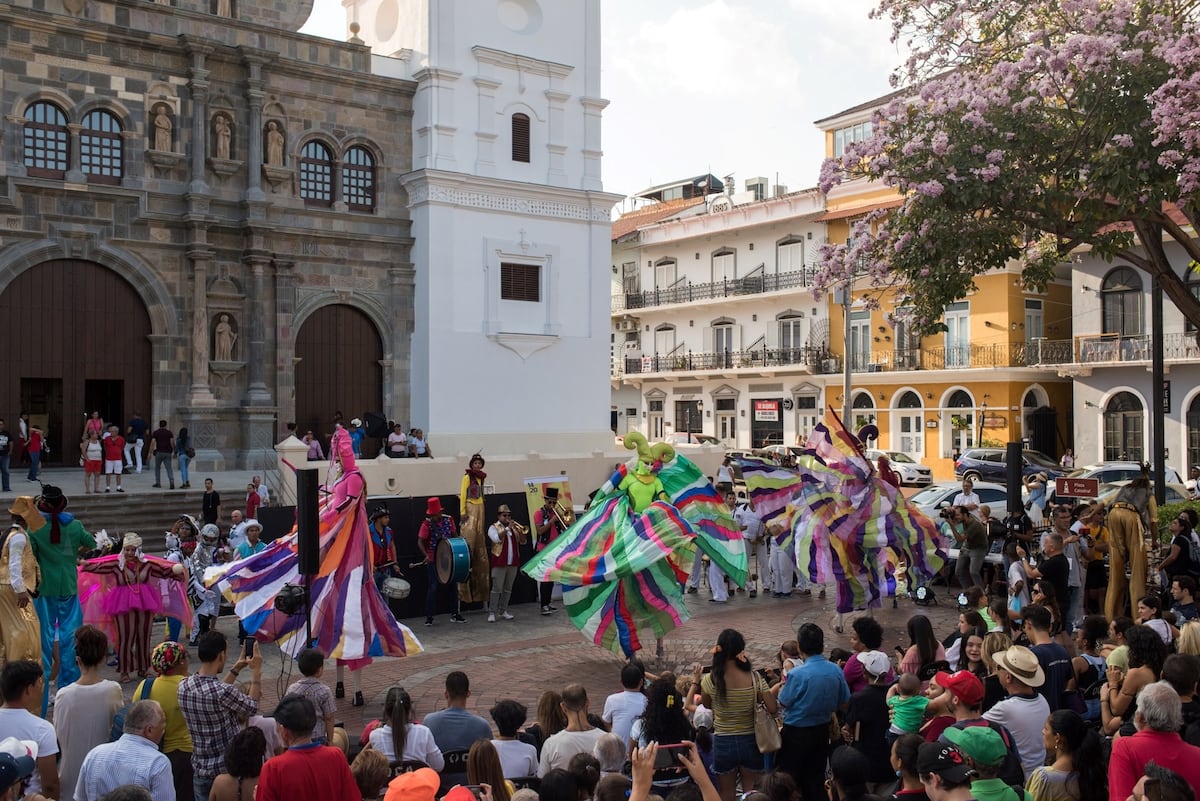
(396, 588)
(453, 560)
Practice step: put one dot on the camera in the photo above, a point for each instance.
(947, 513)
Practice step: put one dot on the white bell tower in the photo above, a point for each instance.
(511, 226)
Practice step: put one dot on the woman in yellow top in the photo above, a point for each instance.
(732, 690)
(470, 524)
(170, 663)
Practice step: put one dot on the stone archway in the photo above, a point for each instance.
(338, 368)
(80, 341)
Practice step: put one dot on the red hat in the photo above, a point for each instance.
(433, 506)
(964, 684)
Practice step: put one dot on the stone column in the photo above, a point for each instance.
(255, 81)
(198, 87)
(75, 173)
(285, 339)
(200, 393)
(257, 392)
(396, 374)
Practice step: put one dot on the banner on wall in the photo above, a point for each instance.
(766, 411)
(536, 491)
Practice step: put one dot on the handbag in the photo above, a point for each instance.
(190, 452)
(766, 728)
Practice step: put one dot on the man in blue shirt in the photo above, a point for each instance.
(454, 728)
(809, 697)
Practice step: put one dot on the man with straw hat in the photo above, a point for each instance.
(1024, 711)
(19, 631)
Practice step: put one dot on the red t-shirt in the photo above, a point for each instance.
(307, 771)
(253, 499)
(114, 448)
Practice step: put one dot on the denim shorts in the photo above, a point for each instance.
(733, 751)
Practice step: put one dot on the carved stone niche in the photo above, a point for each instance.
(225, 304)
(160, 126)
(221, 133)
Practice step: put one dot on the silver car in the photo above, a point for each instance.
(912, 473)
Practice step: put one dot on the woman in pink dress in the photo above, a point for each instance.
(133, 593)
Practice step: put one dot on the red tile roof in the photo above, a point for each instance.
(647, 215)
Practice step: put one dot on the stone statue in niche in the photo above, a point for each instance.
(224, 338)
(274, 144)
(223, 136)
(162, 129)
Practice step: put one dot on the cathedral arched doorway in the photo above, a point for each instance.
(338, 354)
(78, 341)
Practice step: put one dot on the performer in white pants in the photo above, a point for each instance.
(756, 542)
(716, 583)
(693, 582)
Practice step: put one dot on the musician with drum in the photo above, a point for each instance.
(383, 547)
(504, 535)
(446, 557)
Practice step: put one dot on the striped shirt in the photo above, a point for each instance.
(130, 760)
(733, 713)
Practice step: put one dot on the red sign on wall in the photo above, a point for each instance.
(1076, 487)
(766, 411)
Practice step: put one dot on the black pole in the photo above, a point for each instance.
(308, 612)
(1158, 395)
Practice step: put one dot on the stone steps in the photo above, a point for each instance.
(150, 514)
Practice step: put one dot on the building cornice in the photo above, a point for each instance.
(525, 64)
(801, 207)
(438, 187)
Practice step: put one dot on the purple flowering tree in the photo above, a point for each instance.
(1033, 128)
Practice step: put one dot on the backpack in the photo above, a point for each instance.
(1011, 771)
(118, 724)
(1194, 554)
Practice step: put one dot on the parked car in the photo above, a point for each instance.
(931, 499)
(1112, 473)
(783, 454)
(991, 464)
(912, 473)
(1176, 492)
(682, 438)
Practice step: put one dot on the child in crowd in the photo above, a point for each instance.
(839, 656)
(312, 664)
(907, 706)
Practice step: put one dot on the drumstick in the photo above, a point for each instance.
(417, 564)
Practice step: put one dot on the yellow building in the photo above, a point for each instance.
(991, 378)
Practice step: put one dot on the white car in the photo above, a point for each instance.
(931, 499)
(680, 438)
(912, 473)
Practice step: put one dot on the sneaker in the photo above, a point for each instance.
(693, 590)
(822, 593)
(491, 618)
(552, 607)
(428, 621)
(358, 699)
(715, 601)
(753, 593)
(172, 485)
(457, 618)
(339, 690)
(805, 592)
(159, 486)
(107, 490)
(506, 616)
(546, 610)
(120, 489)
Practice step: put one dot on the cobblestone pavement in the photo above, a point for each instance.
(521, 658)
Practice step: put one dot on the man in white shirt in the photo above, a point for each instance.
(579, 737)
(21, 684)
(237, 529)
(263, 493)
(1024, 711)
(756, 543)
(968, 497)
(133, 759)
(621, 709)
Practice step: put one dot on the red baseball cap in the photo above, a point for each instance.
(963, 683)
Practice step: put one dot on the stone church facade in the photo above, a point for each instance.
(201, 220)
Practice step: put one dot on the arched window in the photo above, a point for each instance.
(789, 257)
(864, 410)
(1123, 428)
(791, 332)
(358, 179)
(100, 155)
(47, 148)
(316, 174)
(962, 421)
(1193, 433)
(910, 400)
(520, 137)
(1121, 302)
(908, 429)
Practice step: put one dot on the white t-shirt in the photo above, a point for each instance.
(963, 499)
(518, 760)
(83, 718)
(621, 709)
(559, 748)
(1024, 716)
(1016, 572)
(25, 726)
(418, 744)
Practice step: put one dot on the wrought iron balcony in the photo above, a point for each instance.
(684, 291)
(1114, 348)
(816, 359)
(1005, 354)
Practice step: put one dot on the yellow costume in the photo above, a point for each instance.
(470, 504)
(20, 634)
(1133, 511)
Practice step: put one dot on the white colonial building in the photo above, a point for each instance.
(510, 225)
(715, 329)
(1113, 382)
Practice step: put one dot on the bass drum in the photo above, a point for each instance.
(453, 560)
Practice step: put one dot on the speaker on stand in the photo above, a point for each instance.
(308, 538)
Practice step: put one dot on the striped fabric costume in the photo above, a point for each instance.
(848, 525)
(351, 621)
(624, 561)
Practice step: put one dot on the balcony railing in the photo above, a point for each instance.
(685, 292)
(1106, 348)
(1006, 354)
(815, 358)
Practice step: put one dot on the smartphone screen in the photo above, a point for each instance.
(476, 790)
(248, 648)
(667, 756)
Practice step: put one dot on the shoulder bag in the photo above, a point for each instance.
(766, 726)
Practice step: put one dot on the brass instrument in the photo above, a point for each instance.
(522, 533)
(563, 516)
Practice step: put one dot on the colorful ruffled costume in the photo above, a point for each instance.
(849, 525)
(351, 621)
(622, 564)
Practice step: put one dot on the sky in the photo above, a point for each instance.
(722, 86)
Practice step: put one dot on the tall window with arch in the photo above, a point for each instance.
(863, 410)
(46, 141)
(358, 179)
(1193, 433)
(911, 424)
(1121, 303)
(789, 258)
(791, 337)
(316, 174)
(100, 156)
(1124, 428)
(962, 421)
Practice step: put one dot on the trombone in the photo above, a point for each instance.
(563, 516)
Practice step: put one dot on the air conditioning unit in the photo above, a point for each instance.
(633, 344)
(627, 324)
